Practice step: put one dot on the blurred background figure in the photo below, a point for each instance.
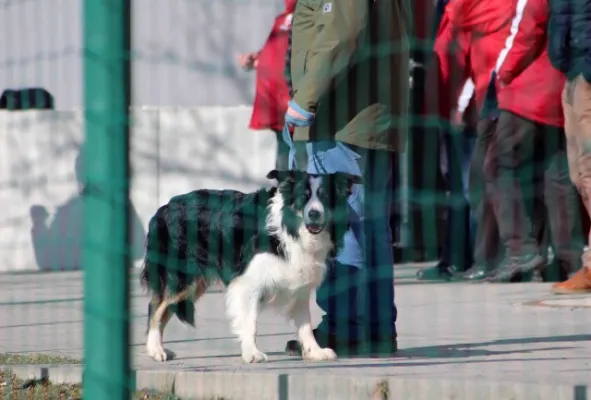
(446, 73)
(486, 27)
(569, 47)
(272, 93)
(526, 165)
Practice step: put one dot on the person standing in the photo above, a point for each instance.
(569, 48)
(350, 74)
(272, 93)
(527, 159)
(475, 35)
(446, 74)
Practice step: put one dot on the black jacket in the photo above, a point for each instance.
(569, 37)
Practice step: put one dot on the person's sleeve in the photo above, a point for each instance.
(452, 48)
(340, 23)
(526, 40)
(558, 34)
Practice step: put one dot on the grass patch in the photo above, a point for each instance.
(35, 359)
(13, 388)
(381, 391)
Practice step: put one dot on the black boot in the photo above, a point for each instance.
(477, 272)
(440, 272)
(516, 265)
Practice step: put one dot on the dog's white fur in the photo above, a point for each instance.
(285, 284)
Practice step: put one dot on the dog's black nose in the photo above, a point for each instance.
(314, 215)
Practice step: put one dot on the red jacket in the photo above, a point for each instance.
(448, 70)
(272, 93)
(528, 85)
(486, 25)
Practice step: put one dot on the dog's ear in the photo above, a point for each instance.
(350, 180)
(286, 176)
(273, 174)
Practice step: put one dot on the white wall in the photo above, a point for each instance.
(184, 50)
(173, 151)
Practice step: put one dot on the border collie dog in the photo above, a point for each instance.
(269, 248)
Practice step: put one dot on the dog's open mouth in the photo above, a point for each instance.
(315, 229)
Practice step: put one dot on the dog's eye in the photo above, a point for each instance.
(308, 193)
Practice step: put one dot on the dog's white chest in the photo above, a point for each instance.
(304, 270)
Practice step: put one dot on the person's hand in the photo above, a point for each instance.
(294, 114)
(248, 61)
(499, 82)
(297, 116)
(39, 215)
(457, 119)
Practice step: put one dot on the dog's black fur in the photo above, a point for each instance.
(213, 234)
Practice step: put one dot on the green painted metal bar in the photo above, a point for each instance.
(106, 224)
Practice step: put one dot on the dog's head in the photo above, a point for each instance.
(317, 201)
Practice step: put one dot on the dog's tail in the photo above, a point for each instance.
(155, 274)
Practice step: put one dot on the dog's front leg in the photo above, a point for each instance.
(243, 306)
(303, 322)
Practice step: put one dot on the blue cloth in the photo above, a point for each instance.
(355, 308)
(297, 122)
(326, 158)
(308, 116)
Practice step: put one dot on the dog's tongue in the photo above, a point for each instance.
(314, 228)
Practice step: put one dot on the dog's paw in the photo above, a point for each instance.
(321, 355)
(254, 356)
(158, 353)
(155, 349)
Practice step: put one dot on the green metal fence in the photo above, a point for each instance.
(107, 101)
(98, 315)
(87, 323)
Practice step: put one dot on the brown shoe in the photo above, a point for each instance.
(578, 283)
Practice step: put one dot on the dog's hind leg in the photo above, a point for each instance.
(300, 313)
(162, 312)
(159, 314)
(243, 304)
(185, 308)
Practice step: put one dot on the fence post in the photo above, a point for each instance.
(106, 227)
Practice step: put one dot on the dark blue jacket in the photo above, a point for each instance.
(569, 37)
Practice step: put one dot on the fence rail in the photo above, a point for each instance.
(107, 91)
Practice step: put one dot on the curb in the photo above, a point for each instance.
(269, 386)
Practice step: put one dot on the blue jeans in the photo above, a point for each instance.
(358, 292)
(458, 248)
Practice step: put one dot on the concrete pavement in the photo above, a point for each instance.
(457, 341)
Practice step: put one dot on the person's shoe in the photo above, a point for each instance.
(578, 283)
(512, 267)
(436, 273)
(475, 273)
(344, 348)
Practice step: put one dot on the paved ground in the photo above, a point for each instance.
(502, 334)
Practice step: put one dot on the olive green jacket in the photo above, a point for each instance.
(350, 66)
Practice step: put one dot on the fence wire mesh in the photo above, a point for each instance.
(72, 219)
